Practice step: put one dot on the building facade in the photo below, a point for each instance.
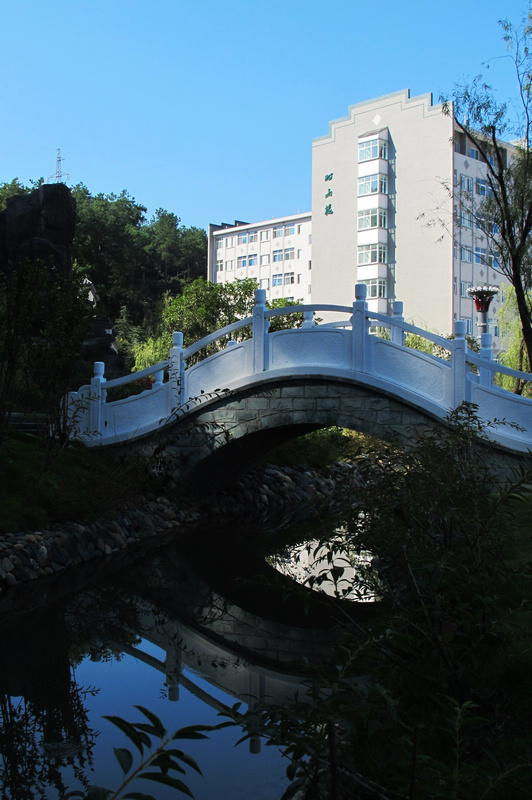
(396, 188)
(275, 253)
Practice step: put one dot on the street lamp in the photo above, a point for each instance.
(482, 295)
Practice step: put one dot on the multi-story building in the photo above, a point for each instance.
(275, 253)
(396, 188)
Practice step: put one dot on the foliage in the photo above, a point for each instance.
(505, 216)
(513, 354)
(43, 318)
(203, 308)
(130, 260)
(156, 765)
(418, 704)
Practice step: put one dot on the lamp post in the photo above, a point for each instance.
(482, 295)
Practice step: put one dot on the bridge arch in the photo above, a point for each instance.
(219, 440)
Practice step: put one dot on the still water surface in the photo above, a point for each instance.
(158, 635)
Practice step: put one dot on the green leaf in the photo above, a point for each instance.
(175, 783)
(124, 758)
(139, 740)
(192, 732)
(185, 758)
(155, 721)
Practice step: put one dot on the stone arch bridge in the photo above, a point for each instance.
(213, 419)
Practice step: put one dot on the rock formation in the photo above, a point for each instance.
(39, 225)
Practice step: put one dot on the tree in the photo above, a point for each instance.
(202, 308)
(505, 213)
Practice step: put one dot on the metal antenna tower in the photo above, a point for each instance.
(58, 176)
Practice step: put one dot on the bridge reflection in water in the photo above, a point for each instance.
(156, 635)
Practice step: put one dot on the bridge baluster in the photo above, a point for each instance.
(98, 397)
(260, 329)
(459, 365)
(486, 352)
(176, 369)
(397, 335)
(360, 328)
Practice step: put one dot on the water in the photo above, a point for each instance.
(154, 634)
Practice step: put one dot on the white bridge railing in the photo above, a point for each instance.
(344, 350)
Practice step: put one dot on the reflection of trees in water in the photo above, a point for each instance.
(44, 724)
(36, 743)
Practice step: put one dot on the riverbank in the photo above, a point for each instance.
(272, 497)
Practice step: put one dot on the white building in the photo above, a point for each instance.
(394, 189)
(275, 253)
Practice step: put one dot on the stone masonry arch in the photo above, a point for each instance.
(224, 435)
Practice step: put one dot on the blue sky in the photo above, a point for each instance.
(208, 108)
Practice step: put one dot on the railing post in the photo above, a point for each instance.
(397, 335)
(459, 365)
(158, 378)
(486, 352)
(98, 397)
(260, 329)
(176, 369)
(308, 319)
(360, 331)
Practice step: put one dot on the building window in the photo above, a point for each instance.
(299, 228)
(241, 262)
(289, 254)
(265, 259)
(277, 280)
(455, 285)
(372, 218)
(373, 184)
(230, 241)
(480, 187)
(466, 219)
(253, 260)
(371, 254)
(299, 276)
(219, 266)
(372, 148)
(277, 255)
(219, 243)
(463, 289)
(473, 153)
(466, 255)
(310, 264)
(289, 230)
(480, 255)
(466, 183)
(299, 254)
(376, 287)
(264, 283)
(289, 278)
(242, 238)
(229, 265)
(278, 231)
(253, 236)
(265, 235)
(469, 326)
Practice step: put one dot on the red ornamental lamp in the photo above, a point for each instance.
(482, 295)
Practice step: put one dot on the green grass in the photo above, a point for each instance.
(36, 489)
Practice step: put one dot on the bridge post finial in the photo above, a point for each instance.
(459, 365)
(397, 333)
(176, 369)
(360, 339)
(486, 352)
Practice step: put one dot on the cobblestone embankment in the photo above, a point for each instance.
(274, 497)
